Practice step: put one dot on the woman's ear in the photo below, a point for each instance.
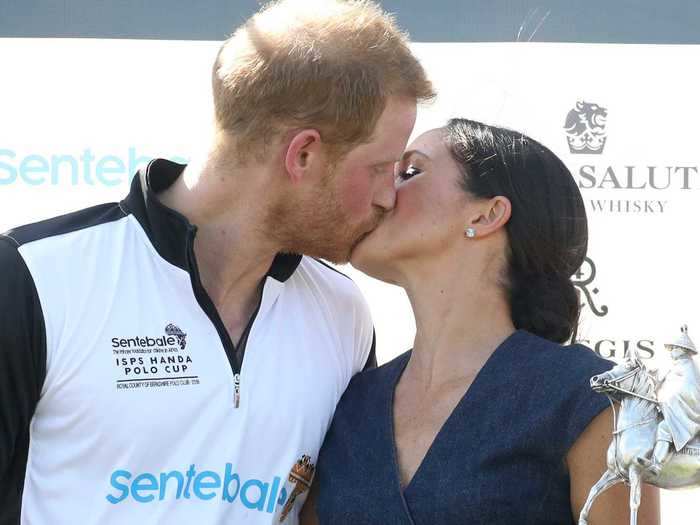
(304, 149)
(492, 215)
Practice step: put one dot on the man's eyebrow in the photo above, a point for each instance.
(385, 162)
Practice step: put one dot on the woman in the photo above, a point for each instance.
(489, 419)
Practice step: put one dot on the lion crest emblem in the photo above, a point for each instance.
(585, 128)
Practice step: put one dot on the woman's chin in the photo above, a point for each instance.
(361, 253)
(371, 257)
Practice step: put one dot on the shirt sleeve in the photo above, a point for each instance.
(364, 335)
(22, 371)
(372, 357)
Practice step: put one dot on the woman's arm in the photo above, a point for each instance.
(307, 516)
(587, 463)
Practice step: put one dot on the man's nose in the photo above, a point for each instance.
(385, 196)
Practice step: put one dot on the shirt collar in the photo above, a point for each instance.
(171, 232)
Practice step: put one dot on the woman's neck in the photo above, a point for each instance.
(461, 318)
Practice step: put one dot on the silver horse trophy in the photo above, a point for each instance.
(655, 436)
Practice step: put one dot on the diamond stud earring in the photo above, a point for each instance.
(470, 232)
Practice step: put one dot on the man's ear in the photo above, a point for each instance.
(491, 215)
(304, 149)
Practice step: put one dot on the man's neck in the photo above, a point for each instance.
(232, 248)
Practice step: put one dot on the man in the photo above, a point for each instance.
(169, 358)
(679, 399)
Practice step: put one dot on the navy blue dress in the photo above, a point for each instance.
(499, 459)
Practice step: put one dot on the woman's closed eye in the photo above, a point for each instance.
(409, 172)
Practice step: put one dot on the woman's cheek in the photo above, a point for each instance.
(408, 202)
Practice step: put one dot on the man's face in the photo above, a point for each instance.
(355, 193)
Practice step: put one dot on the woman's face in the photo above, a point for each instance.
(429, 216)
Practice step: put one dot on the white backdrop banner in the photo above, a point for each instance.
(79, 116)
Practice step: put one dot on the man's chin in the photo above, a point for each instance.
(341, 253)
(335, 258)
(336, 254)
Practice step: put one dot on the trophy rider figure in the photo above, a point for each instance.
(679, 402)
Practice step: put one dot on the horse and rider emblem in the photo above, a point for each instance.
(656, 439)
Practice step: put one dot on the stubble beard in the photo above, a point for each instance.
(318, 227)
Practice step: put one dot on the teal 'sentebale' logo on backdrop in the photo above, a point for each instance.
(87, 168)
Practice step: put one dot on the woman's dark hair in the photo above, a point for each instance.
(547, 231)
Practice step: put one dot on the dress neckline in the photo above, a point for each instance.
(394, 378)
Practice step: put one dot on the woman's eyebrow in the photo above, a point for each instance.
(406, 155)
(410, 152)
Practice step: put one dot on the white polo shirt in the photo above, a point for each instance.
(123, 399)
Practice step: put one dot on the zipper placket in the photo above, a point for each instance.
(236, 390)
(205, 302)
(239, 353)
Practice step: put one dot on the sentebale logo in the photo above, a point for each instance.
(181, 336)
(147, 487)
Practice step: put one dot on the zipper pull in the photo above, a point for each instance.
(236, 390)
